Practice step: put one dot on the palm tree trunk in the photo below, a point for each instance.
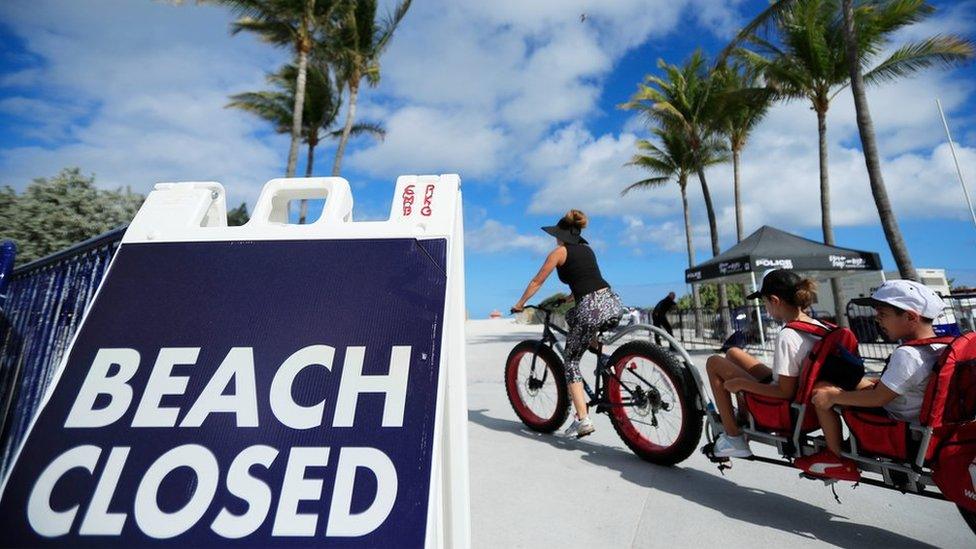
(303, 208)
(350, 116)
(695, 294)
(310, 159)
(840, 301)
(825, 223)
(735, 187)
(738, 202)
(723, 297)
(865, 127)
(710, 211)
(296, 117)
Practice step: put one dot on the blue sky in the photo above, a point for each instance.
(519, 97)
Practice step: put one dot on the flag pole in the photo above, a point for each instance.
(965, 191)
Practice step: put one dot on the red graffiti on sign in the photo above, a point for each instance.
(407, 200)
(428, 197)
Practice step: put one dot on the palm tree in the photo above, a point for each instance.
(808, 60)
(944, 50)
(685, 100)
(287, 23)
(744, 101)
(360, 42)
(865, 32)
(320, 111)
(674, 160)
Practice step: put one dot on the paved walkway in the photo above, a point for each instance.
(530, 490)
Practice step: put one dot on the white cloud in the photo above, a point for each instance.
(39, 119)
(780, 175)
(138, 103)
(496, 237)
(426, 140)
(577, 170)
(668, 235)
(722, 18)
(508, 68)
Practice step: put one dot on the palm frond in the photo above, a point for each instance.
(765, 18)
(938, 50)
(645, 183)
(390, 24)
(275, 107)
(274, 32)
(374, 129)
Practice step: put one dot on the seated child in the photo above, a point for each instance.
(786, 295)
(904, 310)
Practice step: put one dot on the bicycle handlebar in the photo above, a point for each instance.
(547, 309)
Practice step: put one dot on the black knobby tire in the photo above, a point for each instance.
(969, 517)
(549, 369)
(673, 383)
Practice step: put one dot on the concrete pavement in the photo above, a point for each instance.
(531, 490)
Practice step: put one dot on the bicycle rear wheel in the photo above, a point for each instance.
(538, 394)
(653, 403)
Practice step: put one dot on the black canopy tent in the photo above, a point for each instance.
(770, 248)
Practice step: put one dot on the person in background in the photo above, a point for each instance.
(633, 316)
(660, 315)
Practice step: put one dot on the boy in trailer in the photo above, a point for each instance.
(904, 310)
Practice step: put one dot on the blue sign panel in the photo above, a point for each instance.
(253, 393)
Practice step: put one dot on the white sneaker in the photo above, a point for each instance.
(726, 446)
(580, 428)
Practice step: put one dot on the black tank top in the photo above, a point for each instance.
(580, 271)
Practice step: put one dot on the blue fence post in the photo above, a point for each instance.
(8, 252)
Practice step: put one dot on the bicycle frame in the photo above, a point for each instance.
(549, 338)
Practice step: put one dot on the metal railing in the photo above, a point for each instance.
(959, 318)
(706, 328)
(45, 302)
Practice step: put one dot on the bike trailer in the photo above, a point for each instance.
(780, 415)
(877, 434)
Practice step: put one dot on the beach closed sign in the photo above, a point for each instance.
(267, 385)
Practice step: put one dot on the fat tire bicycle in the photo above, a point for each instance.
(650, 394)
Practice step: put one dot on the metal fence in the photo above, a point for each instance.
(959, 318)
(745, 326)
(45, 303)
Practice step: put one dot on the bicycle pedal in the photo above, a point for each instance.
(709, 451)
(602, 409)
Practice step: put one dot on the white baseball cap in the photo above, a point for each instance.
(906, 295)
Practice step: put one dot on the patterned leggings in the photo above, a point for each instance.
(595, 312)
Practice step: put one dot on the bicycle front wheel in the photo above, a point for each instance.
(536, 386)
(652, 404)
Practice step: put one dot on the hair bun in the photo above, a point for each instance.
(575, 218)
(805, 293)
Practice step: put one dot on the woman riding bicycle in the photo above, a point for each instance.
(597, 307)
